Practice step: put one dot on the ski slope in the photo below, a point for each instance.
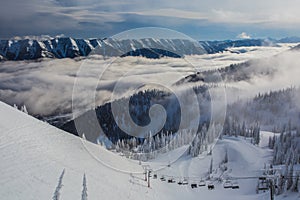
(34, 154)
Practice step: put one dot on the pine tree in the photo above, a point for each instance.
(24, 109)
(290, 177)
(273, 141)
(56, 194)
(211, 167)
(84, 194)
(270, 143)
(243, 132)
(117, 147)
(281, 185)
(226, 156)
(295, 187)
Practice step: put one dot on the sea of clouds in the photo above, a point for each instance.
(46, 86)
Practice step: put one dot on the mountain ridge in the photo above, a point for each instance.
(67, 47)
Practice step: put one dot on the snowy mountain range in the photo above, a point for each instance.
(66, 47)
(70, 48)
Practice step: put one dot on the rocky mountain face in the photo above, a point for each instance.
(70, 48)
(56, 48)
(67, 47)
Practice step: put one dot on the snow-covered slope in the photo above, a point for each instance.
(34, 154)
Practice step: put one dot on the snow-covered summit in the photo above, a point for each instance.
(67, 47)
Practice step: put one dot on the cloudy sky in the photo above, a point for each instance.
(200, 19)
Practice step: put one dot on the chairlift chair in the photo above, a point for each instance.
(227, 184)
(262, 178)
(171, 180)
(211, 186)
(235, 185)
(263, 187)
(185, 182)
(202, 183)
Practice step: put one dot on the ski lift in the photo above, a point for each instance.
(235, 185)
(185, 182)
(202, 183)
(155, 176)
(162, 178)
(193, 185)
(182, 182)
(263, 186)
(262, 178)
(211, 186)
(227, 184)
(171, 180)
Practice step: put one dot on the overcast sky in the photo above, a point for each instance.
(200, 19)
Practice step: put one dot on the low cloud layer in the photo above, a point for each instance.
(268, 74)
(46, 86)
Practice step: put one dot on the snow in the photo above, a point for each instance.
(89, 44)
(265, 135)
(34, 154)
(35, 157)
(74, 45)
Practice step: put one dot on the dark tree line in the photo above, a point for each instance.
(232, 127)
(272, 109)
(286, 146)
